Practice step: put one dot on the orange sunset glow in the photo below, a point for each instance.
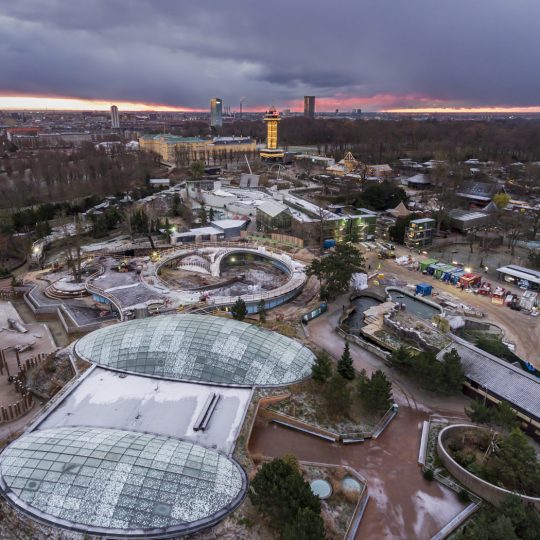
(76, 104)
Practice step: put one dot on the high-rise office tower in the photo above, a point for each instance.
(115, 119)
(216, 112)
(309, 106)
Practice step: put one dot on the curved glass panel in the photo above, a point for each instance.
(199, 348)
(107, 479)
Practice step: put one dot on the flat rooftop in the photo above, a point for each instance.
(109, 399)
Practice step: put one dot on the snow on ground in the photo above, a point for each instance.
(132, 402)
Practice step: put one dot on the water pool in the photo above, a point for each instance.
(321, 488)
(355, 320)
(413, 304)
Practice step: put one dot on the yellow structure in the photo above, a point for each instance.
(272, 152)
(174, 149)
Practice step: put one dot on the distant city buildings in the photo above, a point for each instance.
(216, 112)
(115, 119)
(309, 106)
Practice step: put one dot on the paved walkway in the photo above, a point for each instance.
(403, 505)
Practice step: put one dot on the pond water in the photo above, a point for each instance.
(413, 305)
(321, 488)
(352, 484)
(355, 320)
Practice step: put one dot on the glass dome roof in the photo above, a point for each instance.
(199, 348)
(99, 480)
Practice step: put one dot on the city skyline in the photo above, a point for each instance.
(446, 57)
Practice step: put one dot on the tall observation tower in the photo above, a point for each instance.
(272, 152)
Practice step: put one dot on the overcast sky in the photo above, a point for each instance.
(373, 54)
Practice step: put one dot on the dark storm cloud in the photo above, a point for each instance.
(467, 52)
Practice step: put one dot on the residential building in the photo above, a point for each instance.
(420, 233)
(216, 112)
(383, 226)
(309, 106)
(381, 172)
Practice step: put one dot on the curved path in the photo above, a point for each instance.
(402, 504)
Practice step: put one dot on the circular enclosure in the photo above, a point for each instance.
(198, 348)
(321, 488)
(230, 273)
(119, 483)
(490, 492)
(351, 484)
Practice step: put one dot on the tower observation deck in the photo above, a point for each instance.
(272, 152)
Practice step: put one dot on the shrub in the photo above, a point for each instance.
(463, 496)
(428, 475)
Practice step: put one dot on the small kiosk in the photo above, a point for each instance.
(469, 280)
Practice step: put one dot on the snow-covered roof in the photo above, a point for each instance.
(272, 208)
(138, 403)
(229, 223)
(222, 193)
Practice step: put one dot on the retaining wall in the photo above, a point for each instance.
(491, 493)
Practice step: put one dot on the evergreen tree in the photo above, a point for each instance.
(99, 227)
(512, 520)
(279, 491)
(175, 205)
(505, 417)
(515, 464)
(308, 525)
(479, 413)
(363, 382)
(321, 370)
(197, 169)
(261, 309)
(377, 393)
(211, 214)
(345, 364)
(337, 396)
(239, 310)
(452, 375)
(43, 229)
(203, 216)
(336, 269)
(400, 358)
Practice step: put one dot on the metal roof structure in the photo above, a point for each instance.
(120, 483)
(272, 208)
(198, 348)
(520, 272)
(498, 377)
